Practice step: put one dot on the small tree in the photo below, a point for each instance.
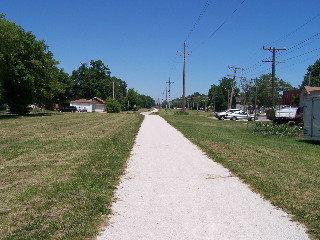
(113, 106)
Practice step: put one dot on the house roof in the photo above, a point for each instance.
(311, 89)
(98, 103)
(82, 100)
(96, 99)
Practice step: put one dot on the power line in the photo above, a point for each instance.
(196, 23)
(257, 54)
(295, 30)
(203, 11)
(220, 26)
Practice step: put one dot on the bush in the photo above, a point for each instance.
(277, 129)
(180, 113)
(113, 106)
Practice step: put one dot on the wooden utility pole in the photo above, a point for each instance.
(273, 51)
(184, 76)
(255, 96)
(169, 91)
(113, 90)
(233, 82)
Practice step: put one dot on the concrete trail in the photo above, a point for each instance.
(173, 191)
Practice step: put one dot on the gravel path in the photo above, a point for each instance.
(172, 191)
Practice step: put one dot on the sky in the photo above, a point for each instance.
(139, 39)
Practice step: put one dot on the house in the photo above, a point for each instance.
(94, 105)
(307, 92)
(100, 107)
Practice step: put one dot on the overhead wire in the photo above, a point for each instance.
(220, 26)
(193, 28)
(259, 53)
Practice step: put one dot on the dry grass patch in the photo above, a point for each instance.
(58, 172)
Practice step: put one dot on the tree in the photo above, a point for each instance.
(132, 101)
(113, 106)
(264, 95)
(92, 81)
(312, 76)
(218, 95)
(147, 101)
(28, 72)
(197, 101)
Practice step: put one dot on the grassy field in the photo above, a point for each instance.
(58, 172)
(285, 170)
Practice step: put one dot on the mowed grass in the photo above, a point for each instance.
(58, 172)
(285, 170)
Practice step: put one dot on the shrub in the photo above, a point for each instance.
(267, 128)
(180, 113)
(113, 106)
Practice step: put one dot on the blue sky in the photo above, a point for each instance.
(139, 39)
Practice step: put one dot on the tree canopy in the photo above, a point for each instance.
(28, 72)
(218, 94)
(312, 77)
(264, 90)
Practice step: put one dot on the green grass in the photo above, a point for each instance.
(285, 170)
(58, 172)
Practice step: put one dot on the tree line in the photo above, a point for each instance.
(29, 74)
(250, 92)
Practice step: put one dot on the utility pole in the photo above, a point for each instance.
(255, 96)
(113, 90)
(273, 51)
(169, 91)
(184, 76)
(233, 82)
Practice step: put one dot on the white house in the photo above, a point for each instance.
(99, 104)
(93, 105)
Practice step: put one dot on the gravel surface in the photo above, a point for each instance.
(172, 191)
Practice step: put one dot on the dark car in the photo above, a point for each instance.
(68, 109)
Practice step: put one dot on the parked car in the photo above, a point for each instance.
(68, 109)
(222, 115)
(241, 115)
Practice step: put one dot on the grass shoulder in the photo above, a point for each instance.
(58, 172)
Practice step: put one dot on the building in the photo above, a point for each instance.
(94, 105)
(289, 97)
(307, 92)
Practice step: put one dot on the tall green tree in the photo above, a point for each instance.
(28, 72)
(146, 101)
(312, 76)
(92, 80)
(264, 94)
(218, 94)
(132, 101)
(197, 101)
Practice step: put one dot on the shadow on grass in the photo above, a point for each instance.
(15, 116)
(309, 141)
